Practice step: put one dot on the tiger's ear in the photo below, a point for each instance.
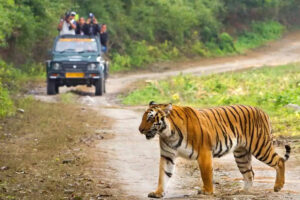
(152, 103)
(168, 108)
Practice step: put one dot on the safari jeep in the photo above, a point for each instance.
(76, 60)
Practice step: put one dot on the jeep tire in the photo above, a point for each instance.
(106, 70)
(104, 86)
(99, 87)
(51, 87)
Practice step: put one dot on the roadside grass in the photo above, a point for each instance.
(14, 81)
(6, 103)
(42, 154)
(67, 97)
(269, 88)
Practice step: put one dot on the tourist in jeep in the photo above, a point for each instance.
(91, 26)
(79, 28)
(103, 38)
(73, 14)
(67, 25)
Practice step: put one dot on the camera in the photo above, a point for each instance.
(91, 16)
(67, 19)
(67, 15)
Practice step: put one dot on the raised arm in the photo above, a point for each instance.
(59, 26)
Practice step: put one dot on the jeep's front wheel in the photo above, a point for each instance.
(99, 87)
(51, 87)
(104, 86)
(106, 70)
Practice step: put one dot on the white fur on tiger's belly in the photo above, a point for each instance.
(224, 149)
(187, 151)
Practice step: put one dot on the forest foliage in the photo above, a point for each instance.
(143, 32)
(140, 32)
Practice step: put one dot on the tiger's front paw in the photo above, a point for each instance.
(277, 188)
(155, 195)
(206, 192)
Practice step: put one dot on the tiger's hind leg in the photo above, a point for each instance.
(280, 179)
(268, 155)
(243, 161)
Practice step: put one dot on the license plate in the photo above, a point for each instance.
(74, 75)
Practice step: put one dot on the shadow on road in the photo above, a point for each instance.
(81, 92)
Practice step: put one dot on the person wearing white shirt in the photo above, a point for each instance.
(67, 25)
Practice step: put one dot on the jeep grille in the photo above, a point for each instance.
(68, 67)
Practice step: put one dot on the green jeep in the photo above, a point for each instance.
(76, 60)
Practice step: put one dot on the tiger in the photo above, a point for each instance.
(201, 134)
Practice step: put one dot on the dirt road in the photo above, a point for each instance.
(132, 161)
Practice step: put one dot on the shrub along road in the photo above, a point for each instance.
(131, 162)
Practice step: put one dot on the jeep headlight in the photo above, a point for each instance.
(56, 66)
(102, 65)
(92, 66)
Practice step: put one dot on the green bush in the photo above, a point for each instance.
(142, 54)
(6, 104)
(226, 43)
(12, 80)
(139, 54)
(120, 63)
(260, 32)
(34, 69)
(198, 48)
(9, 76)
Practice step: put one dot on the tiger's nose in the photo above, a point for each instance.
(141, 129)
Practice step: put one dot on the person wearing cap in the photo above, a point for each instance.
(91, 26)
(73, 14)
(73, 20)
(67, 25)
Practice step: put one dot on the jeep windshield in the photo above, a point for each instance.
(78, 45)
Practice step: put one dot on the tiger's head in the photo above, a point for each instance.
(155, 120)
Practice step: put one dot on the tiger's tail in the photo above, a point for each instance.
(287, 152)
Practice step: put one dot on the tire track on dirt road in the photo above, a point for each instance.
(134, 160)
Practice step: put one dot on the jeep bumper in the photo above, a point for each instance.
(74, 78)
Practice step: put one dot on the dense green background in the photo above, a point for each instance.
(141, 32)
